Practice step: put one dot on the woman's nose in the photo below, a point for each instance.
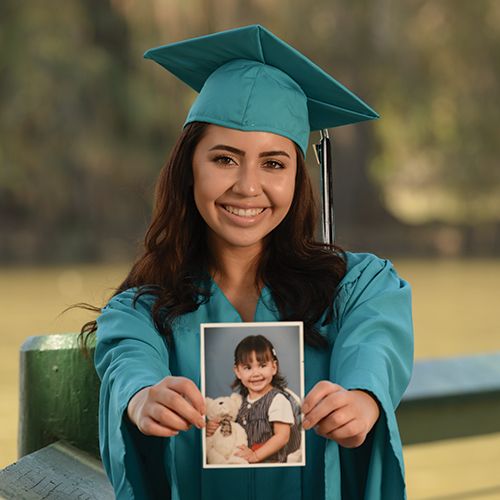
(248, 182)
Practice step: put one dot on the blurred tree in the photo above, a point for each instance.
(85, 123)
(68, 132)
(439, 154)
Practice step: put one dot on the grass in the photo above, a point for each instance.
(455, 313)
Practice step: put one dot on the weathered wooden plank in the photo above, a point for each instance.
(58, 472)
(451, 398)
(443, 377)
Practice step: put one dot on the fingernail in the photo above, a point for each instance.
(305, 423)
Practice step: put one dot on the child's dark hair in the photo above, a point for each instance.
(264, 351)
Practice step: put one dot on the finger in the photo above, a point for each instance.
(189, 390)
(211, 430)
(318, 392)
(166, 417)
(332, 422)
(149, 427)
(177, 403)
(348, 431)
(329, 404)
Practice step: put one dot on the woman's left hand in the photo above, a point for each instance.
(338, 414)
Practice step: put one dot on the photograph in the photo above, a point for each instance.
(252, 380)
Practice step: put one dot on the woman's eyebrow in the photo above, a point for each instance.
(228, 148)
(240, 152)
(274, 153)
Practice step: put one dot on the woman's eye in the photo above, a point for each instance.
(274, 164)
(223, 160)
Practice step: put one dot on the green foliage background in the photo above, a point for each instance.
(86, 123)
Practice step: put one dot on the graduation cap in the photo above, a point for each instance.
(248, 79)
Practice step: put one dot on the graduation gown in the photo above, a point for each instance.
(371, 348)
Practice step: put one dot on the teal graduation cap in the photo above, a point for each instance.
(248, 79)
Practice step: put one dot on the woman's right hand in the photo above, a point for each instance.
(170, 406)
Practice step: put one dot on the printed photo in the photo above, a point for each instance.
(253, 382)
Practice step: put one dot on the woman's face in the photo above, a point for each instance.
(243, 184)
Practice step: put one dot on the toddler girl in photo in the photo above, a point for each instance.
(269, 412)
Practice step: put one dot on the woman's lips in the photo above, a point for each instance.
(243, 217)
(243, 212)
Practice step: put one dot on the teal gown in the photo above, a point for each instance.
(371, 341)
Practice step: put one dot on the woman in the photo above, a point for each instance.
(232, 239)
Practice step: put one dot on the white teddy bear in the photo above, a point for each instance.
(223, 444)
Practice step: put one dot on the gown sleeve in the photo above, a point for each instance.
(129, 355)
(373, 351)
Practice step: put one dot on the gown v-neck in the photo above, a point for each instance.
(264, 294)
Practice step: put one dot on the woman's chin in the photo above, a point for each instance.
(237, 241)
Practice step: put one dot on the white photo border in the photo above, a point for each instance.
(254, 326)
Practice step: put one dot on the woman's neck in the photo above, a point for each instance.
(234, 266)
(235, 271)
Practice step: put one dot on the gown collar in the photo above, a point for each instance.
(265, 310)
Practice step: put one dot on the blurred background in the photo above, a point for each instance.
(86, 124)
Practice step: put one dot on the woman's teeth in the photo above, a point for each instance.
(242, 212)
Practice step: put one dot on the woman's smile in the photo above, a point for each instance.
(243, 217)
(243, 212)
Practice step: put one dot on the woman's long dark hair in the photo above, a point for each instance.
(301, 273)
